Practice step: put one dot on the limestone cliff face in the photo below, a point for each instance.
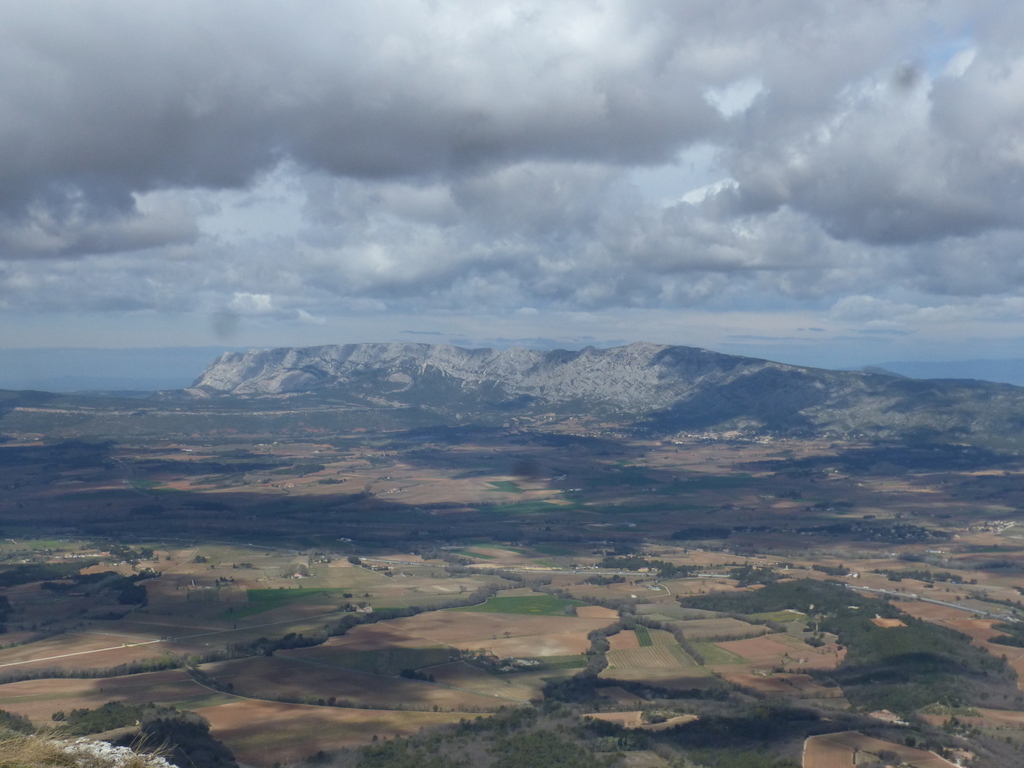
(667, 388)
(638, 377)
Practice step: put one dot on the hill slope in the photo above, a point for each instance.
(664, 388)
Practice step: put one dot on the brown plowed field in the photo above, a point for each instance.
(262, 733)
(830, 750)
(568, 644)
(502, 634)
(596, 612)
(82, 651)
(757, 649)
(878, 621)
(38, 699)
(701, 629)
(623, 641)
(273, 677)
(370, 637)
(820, 752)
(1004, 717)
(459, 674)
(930, 611)
(981, 632)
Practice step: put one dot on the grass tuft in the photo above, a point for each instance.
(19, 750)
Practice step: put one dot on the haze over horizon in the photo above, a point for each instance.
(835, 185)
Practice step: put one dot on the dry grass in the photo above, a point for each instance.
(31, 751)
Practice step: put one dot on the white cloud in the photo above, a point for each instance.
(309, 161)
(735, 98)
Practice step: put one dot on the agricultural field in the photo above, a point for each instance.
(648, 657)
(840, 750)
(702, 629)
(526, 635)
(297, 728)
(624, 640)
(40, 699)
(387, 661)
(655, 658)
(301, 681)
(310, 593)
(459, 674)
(528, 605)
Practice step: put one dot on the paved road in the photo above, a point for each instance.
(912, 596)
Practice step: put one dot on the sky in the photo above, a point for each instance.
(826, 183)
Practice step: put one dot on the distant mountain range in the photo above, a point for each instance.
(665, 389)
(1002, 371)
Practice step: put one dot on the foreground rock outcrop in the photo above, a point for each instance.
(17, 749)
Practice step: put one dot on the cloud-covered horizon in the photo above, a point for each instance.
(311, 160)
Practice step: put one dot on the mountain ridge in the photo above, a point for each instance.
(661, 388)
(635, 376)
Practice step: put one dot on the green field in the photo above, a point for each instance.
(714, 655)
(534, 605)
(554, 550)
(506, 486)
(643, 636)
(528, 508)
(471, 553)
(261, 600)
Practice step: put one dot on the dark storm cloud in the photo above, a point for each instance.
(103, 100)
(467, 155)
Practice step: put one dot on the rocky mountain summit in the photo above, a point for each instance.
(663, 388)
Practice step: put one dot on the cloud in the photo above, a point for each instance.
(310, 160)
